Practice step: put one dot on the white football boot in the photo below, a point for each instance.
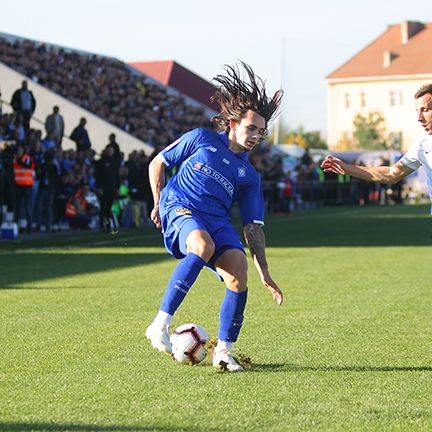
(159, 337)
(222, 359)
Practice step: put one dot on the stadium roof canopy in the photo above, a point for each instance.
(170, 73)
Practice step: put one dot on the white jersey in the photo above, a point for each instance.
(420, 154)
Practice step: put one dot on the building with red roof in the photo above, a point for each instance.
(383, 77)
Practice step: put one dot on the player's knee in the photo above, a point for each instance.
(202, 247)
(237, 278)
(237, 283)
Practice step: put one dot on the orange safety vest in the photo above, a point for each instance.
(70, 209)
(24, 175)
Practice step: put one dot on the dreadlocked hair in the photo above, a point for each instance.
(236, 97)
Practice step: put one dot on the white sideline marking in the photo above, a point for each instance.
(286, 219)
(76, 246)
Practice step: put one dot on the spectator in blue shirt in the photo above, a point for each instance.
(49, 142)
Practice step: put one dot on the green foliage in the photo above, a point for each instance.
(369, 131)
(314, 140)
(310, 139)
(348, 350)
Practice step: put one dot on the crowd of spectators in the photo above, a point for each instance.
(79, 188)
(121, 185)
(38, 178)
(302, 184)
(111, 90)
(106, 87)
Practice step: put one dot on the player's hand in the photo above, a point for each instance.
(275, 291)
(154, 216)
(333, 164)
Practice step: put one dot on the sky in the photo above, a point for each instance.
(292, 45)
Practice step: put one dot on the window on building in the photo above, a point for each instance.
(395, 98)
(347, 100)
(362, 99)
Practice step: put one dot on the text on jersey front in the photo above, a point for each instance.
(213, 174)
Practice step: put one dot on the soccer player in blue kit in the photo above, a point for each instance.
(193, 209)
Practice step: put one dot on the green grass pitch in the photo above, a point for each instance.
(350, 349)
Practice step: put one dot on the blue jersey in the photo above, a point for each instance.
(211, 177)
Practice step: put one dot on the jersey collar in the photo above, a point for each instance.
(224, 138)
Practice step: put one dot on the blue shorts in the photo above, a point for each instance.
(179, 222)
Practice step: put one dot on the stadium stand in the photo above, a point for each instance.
(123, 109)
(106, 87)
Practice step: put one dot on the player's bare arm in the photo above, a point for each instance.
(157, 182)
(380, 174)
(255, 240)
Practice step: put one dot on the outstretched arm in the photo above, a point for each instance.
(380, 174)
(255, 239)
(157, 182)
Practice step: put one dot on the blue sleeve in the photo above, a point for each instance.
(251, 202)
(181, 148)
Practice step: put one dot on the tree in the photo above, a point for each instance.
(295, 138)
(314, 140)
(369, 131)
(300, 137)
(344, 143)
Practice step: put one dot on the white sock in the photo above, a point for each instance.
(163, 319)
(223, 345)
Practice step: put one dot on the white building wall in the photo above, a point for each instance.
(400, 117)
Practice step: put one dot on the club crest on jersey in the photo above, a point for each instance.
(183, 211)
(242, 172)
(212, 149)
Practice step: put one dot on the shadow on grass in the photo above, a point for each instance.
(63, 239)
(354, 226)
(328, 227)
(282, 367)
(19, 269)
(350, 231)
(40, 427)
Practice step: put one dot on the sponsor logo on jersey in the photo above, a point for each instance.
(183, 211)
(242, 171)
(216, 176)
(212, 149)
